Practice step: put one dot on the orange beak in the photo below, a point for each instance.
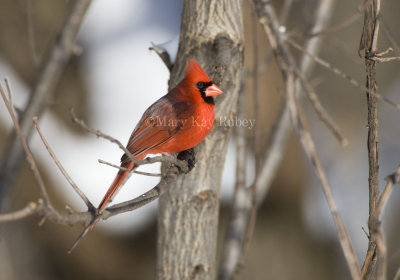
(213, 90)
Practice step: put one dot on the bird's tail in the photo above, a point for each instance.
(115, 186)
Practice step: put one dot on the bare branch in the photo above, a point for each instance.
(29, 210)
(154, 193)
(378, 57)
(391, 180)
(98, 133)
(385, 59)
(286, 64)
(340, 73)
(25, 146)
(129, 170)
(376, 230)
(256, 144)
(369, 43)
(59, 165)
(344, 24)
(280, 131)
(192, 203)
(265, 62)
(308, 144)
(377, 253)
(43, 206)
(320, 110)
(245, 201)
(389, 36)
(163, 54)
(84, 218)
(397, 276)
(80, 237)
(52, 68)
(241, 203)
(31, 33)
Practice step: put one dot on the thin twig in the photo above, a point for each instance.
(265, 62)
(163, 54)
(31, 33)
(397, 276)
(343, 24)
(130, 170)
(29, 210)
(59, 165)
(389, 36)
(43, 206)
(28, 152)
(320, 110)
(52, 67)
(138, 202)
(98, 133)
(245, 201)
(386, 59)
(286, 64)
(282, 127)
(369, 43)
(376, 227)
(84, 218)
(301, 125)
(340, 73)
(391, 180)
(381, 54)
(80, 237)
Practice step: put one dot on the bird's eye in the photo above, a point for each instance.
(200, 85)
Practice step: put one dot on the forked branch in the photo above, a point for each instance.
(45, 209)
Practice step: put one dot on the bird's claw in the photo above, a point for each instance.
(189, 157)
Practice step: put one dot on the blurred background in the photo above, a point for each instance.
(116, 77)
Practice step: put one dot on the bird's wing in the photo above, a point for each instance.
(160, 123)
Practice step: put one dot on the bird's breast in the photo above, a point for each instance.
(193, 128)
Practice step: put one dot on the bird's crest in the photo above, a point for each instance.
(195, 73)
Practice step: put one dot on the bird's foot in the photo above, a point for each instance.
(188, 156)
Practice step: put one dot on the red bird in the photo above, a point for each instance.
(176, 122)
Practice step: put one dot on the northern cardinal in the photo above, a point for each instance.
(176, 122)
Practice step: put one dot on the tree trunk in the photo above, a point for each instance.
(211, 33)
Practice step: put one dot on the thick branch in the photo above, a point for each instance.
(211, 33)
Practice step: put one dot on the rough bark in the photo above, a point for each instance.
(369, 43)
(211, 32)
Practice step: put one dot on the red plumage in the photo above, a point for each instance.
(176, 122)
